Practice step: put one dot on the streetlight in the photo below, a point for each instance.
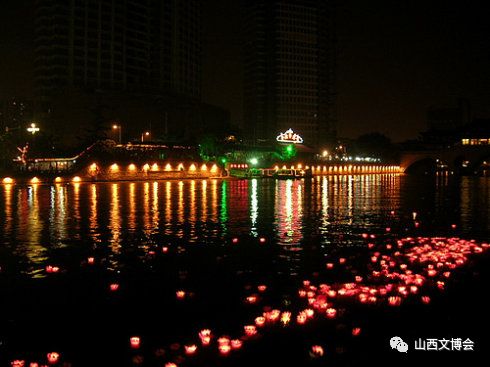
(33, 129)
(119, 128)
(146, 133)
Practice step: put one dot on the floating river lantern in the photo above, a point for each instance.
(331, 313)
(356, 331)
(205, 336)
(260, 321)
(250, 330)
(234, 240)
(135, 342)
(285, 318)
(329, 266)
(114, 287)
(224, 349)
(236, 343)
(170, 364)
(53, 357)
(262, 288)
(262, 240)
(316, 351)
(251, 299)
(394, 301)
(190, 349)
(426, 299)
(180, 294)
(18, 363)
(301, 318)
(91, 260)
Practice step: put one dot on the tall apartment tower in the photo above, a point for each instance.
(140, 45)
(139, 60)
(289, 69)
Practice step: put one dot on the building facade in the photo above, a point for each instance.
(289, 69)
(99, 50)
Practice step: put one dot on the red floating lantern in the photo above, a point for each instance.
(285, 318)
(190, 349)
(236, 343)
(224, 349)
(170, 364)
(262, 288)
(260, 321)
(331, 313)
(342, 260)
(301, 318)
(234, 240)
(180, 294)
(251, 299)
(356, 331)
(394, 301)
(329, 266)
(91, 260)
(250, 330)
(53, 357)
(262, 240)
(135, 342)
(453, 226)
(388, 229)
(33, 364)
(114, 287)
(18, 363)
(164, 249)
(205, 336)
(316, 351)
(426, 299)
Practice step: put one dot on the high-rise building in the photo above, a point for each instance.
(289, 75)
(106, 51)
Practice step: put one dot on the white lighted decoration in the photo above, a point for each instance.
(289, 137)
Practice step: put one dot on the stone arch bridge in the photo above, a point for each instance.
(469, 157)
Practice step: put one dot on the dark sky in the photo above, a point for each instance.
(395, 59)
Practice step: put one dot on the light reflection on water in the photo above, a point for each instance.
(37, 218)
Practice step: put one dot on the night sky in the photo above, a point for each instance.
(395, 59)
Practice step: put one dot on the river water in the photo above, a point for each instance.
(215, 240)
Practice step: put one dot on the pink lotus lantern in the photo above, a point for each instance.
(236, 344)
(135, 342)
(316, 351)
(250, 330)
(190, 349)
(356, 331)
(53, 357)
(331, 313)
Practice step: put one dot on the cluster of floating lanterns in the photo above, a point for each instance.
(398, 269)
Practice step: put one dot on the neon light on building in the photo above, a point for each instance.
(289, 136)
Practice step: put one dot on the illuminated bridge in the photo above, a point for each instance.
(461, 158)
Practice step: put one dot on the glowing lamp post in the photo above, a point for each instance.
(33, 128)
(146, 133)
(119, 129)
